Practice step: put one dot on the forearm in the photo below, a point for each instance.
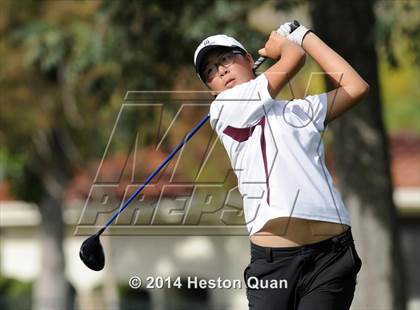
(291, 61)
(338, 70)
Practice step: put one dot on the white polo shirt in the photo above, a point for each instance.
(276, 150)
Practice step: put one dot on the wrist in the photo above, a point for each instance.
(295, 54)
(306, 34)
(285, 47)
(298, 35)
(307, 40)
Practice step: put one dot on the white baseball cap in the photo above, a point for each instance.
(212, 42)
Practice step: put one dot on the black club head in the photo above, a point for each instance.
(92, 254)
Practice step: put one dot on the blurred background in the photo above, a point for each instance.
(65, 70)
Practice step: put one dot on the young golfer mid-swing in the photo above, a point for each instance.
(299, 227)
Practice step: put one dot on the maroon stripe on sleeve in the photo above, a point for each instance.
(239, 134)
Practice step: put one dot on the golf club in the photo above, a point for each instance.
(261, 59)
(91, 251)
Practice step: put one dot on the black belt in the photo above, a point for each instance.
(331, 244)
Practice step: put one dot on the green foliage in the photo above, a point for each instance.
(398, 27)
(400, 93)
(398, 41)
(160, 37)
(15, 169)
(69, 64)
(15, 294)
(45, 45)
(10, 165)
(287, 5)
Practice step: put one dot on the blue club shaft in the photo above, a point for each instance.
(154, 173)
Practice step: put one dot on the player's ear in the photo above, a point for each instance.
(249, 59)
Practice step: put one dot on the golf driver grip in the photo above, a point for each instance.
(261, 59)
(170, 156)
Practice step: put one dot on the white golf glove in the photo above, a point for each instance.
(295, 35)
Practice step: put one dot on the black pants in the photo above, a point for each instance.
(318, 276)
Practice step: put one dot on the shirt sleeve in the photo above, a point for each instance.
(319, 108)
(215, 121)
(241, 106)
(310, 109)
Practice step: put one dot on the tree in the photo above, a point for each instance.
(361, 158)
